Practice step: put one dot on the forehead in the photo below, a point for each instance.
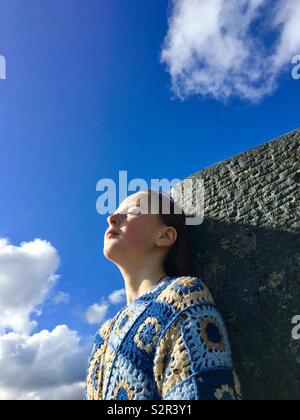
(134, 199)
(141, 199)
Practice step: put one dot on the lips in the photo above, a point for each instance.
(111, 233)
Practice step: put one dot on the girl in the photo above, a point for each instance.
(169, 341)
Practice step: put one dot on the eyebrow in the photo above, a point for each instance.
(138, 201)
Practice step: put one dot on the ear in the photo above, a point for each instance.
(167, 237)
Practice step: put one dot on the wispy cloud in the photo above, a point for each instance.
(236, 48)
(118, 296)
(97, 312)
(61, 297)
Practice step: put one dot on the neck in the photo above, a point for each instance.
(140, 280)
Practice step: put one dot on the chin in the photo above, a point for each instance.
(109, 253)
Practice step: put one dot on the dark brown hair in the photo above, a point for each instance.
(176, 262)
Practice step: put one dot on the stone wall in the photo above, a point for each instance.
(247, 252)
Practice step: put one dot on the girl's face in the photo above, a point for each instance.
(136, 231)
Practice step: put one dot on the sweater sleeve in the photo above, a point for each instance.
(93, 389)
(193, 358)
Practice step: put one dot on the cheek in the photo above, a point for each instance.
(139, 233)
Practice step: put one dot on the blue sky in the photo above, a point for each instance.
(86, 96)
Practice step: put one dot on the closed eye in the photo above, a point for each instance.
(134, 210)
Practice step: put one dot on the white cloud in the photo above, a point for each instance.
(61, 297)
(27, 273)
(118, 296)
(96, 313)
(288, 16)
(74, 391)
(212, 50)
(46, 365)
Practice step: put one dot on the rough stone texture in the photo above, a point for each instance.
(247, 252)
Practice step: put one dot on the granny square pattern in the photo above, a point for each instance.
(169, 344)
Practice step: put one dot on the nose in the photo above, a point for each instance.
(112, 219)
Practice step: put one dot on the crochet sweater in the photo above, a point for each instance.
(168, 344)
